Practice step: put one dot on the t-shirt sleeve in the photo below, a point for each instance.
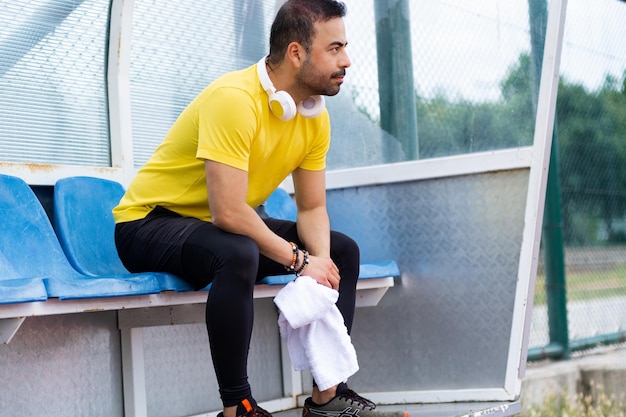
(227, 124)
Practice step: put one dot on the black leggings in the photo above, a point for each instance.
(202, 253)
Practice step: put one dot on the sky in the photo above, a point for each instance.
(594, 41)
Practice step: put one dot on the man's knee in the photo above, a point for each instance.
(346, 254)
(241, 252)
(206, 256)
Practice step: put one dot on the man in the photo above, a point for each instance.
(191, 209)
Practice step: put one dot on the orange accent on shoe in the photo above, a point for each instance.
(406, 414)
(248, 406)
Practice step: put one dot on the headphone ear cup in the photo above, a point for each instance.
(282, 105)
(312, 106)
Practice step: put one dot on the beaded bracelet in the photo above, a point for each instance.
(305, 262)
(294, 260)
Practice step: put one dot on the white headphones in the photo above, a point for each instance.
(281, 103)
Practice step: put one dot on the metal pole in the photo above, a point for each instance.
(250, 46)
(398, 111)
(554, 265)
(554, 351)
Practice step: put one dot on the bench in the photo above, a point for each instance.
(73, 266)
(70, 265)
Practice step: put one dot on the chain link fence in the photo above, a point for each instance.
(472, 66)
(591, 138)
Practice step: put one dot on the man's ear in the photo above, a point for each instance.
(296, 54)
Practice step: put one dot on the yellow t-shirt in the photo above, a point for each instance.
(229, 122)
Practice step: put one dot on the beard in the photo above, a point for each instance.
(318, 83)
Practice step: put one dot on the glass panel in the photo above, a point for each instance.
(591, 121)
(467, 86)
(454, 77)
(53, 105)
(178, 48)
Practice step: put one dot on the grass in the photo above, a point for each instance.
(582, 406)
(586, 285)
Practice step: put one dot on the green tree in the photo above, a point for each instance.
(453, 127)
(517, 93)
(591, 137)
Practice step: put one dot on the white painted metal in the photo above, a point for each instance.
(433, 396)
(533, 221)
(45, 174)
(292, 379)
(475, 163)
(443, 167)
(167, 298)
(133, 373)
(8, 328)
(119, 89)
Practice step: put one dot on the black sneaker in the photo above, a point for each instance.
(249, 408)
(347, 403)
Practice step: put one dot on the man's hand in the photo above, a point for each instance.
(324, 271)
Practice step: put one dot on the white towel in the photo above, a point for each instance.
(315, 333)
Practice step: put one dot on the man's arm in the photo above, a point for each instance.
(314, 225)
(227, 188)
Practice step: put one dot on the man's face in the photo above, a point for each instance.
(324, 68)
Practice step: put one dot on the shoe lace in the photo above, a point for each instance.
(353, 397)
(258, 412)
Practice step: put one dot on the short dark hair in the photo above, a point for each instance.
(294, 23)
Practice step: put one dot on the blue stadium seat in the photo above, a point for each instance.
(21, 290)
(85, 226)
(30, 251)
(17, 283)
(280, 205)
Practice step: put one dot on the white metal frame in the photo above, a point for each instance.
(369, 292)
(122, 169)
(118, 73)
